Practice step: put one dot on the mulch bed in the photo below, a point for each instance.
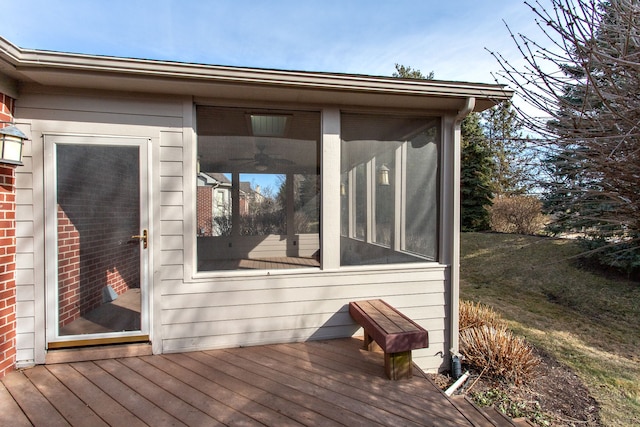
(555, 395)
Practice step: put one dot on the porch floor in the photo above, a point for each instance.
(272, 263)
(318, 383)
(121, 314)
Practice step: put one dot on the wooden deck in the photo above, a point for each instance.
(320, 383)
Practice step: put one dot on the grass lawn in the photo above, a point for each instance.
(587, 321)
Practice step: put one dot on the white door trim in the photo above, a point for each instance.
(51, 238)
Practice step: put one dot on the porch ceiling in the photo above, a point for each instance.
(235, 149)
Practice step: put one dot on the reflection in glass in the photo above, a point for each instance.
(258, 189)
(98, 204)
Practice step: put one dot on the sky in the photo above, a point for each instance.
(368, 37)
(358, 37)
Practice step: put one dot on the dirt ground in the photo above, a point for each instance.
(556, 397)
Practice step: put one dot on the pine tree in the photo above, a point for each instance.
(589, 85)
(477, 167)
(512, 172)
(405, 72)
(476, 172)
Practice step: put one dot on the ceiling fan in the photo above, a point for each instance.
(263, 161)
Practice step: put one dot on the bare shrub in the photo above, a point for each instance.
(476, 314)
(516, 214)
(498, 352)
(489, 346)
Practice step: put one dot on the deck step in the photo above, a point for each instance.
(472, 412)
(523, 422)
(489, 416)
(498, 418)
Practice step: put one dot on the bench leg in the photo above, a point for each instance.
(398, 366)
(369, 344)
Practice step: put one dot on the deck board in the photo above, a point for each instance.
(328, 383)
(159, 396)
(97, 400)
(347, 395)
(10, 412)
(248, 390)
(242, 373)
(345, 408)
(32, 402)
(139, 406)
(231, 408)
(66, 403)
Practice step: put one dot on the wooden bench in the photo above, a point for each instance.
(395, 333)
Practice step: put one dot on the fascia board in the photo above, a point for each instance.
(47, 66)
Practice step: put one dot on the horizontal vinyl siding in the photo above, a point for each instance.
(254, 310)
(56, 111)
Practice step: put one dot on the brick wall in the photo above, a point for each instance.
(7, 254)
(68, 269)
(204, 205)
(98, 212)
(7, 270)
(7, 108)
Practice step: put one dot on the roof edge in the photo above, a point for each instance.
(41, 60)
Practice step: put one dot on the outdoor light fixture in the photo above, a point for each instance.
(261, 167)
(11, 142)
(383, 175)
(267, 125)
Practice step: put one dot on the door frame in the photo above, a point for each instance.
(53, 339)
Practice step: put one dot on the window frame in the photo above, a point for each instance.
(191, 163)
(399, 182)
(330, 195)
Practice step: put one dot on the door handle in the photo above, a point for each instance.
(143, 237)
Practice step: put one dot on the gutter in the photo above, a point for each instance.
(467, 108)
(469, 104)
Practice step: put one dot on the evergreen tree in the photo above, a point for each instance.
(404, 72)
(476, 168)
(589, 84)
(476, 172)
(512, 174)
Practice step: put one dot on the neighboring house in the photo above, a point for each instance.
(246, 193)
(213, 203)
(108, 198)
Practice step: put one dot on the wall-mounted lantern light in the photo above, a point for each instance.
(383, 175)
(11, 142)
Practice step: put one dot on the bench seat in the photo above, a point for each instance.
(395, 333)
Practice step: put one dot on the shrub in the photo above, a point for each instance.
(474, 315)
(621, 257)
(516, 214)
(498, 352)
(488, 345)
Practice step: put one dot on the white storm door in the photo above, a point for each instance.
(97, 240)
